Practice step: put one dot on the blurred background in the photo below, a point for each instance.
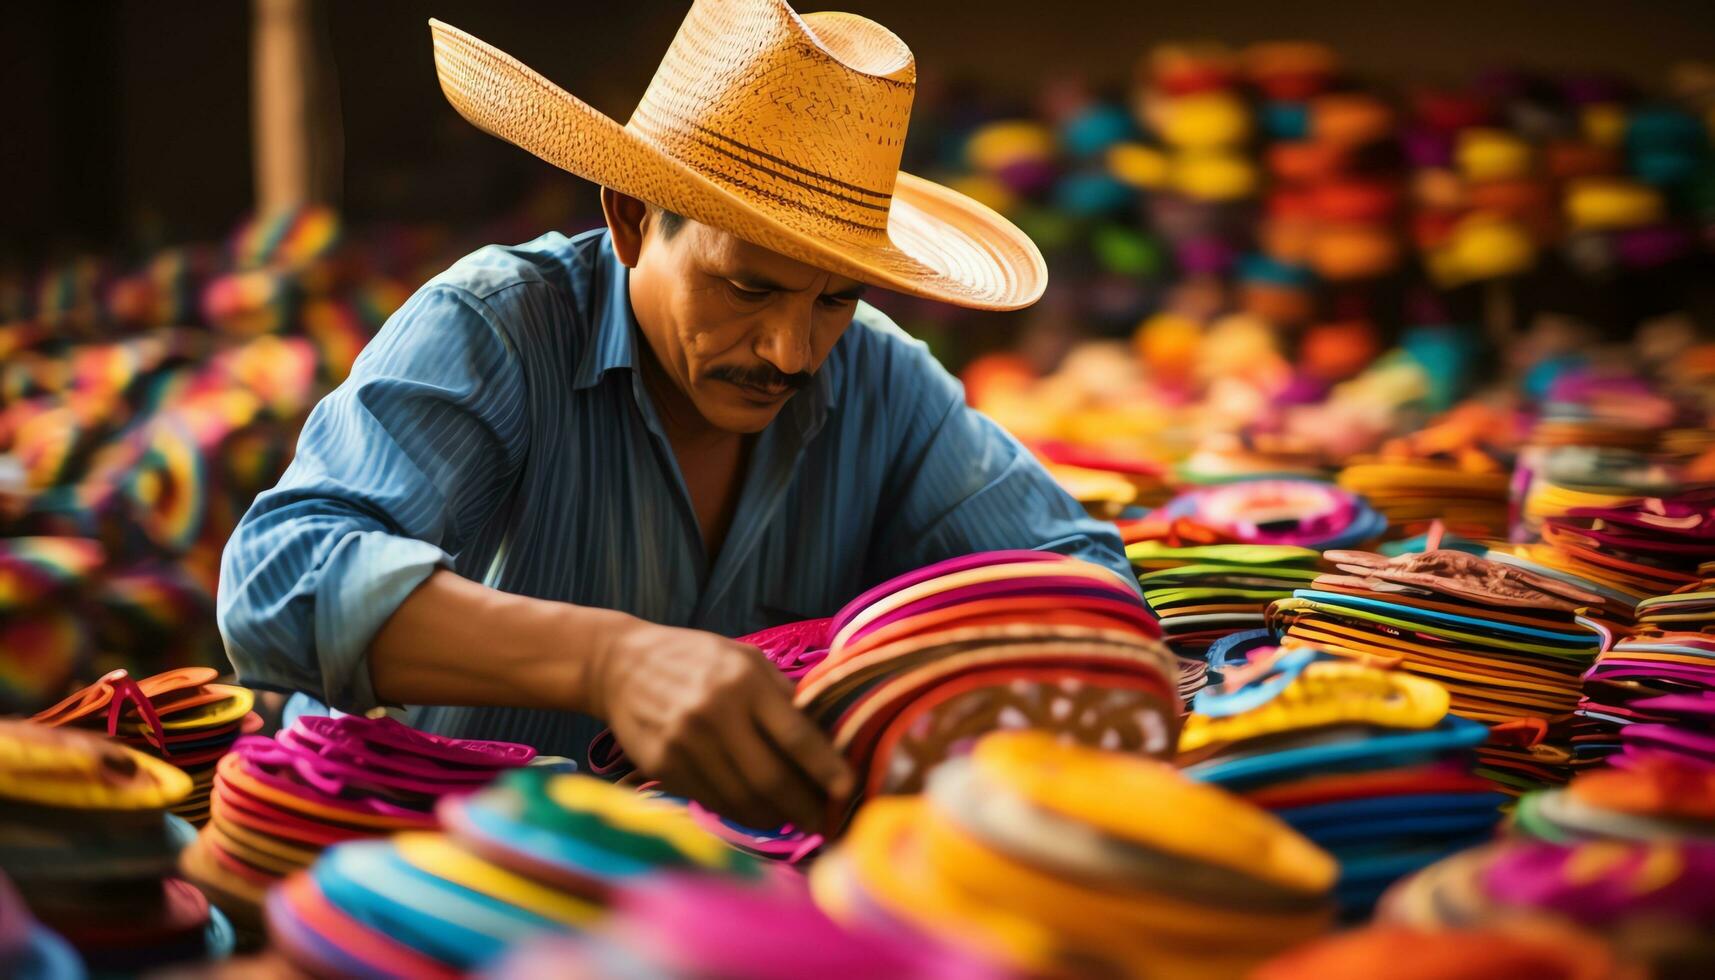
(1281, 237)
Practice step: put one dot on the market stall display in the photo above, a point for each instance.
(1366, 763)
(88, 838)
(278, 802)
(1030, 851)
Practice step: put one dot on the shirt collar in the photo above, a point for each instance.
(614, 345)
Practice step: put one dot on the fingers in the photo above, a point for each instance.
(720, 728)
(715, 760)
(805, 746)
(773, 782)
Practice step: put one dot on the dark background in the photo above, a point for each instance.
(126, 122)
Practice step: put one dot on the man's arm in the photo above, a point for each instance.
(959, 483)
(396, 471)
(338, 582)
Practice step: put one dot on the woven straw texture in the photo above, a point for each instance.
(784, 130)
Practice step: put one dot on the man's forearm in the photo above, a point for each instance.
(459, 643)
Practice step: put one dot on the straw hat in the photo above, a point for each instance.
(783, 130)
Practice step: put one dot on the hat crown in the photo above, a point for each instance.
(806, 113)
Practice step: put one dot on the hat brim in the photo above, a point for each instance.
(940, 244)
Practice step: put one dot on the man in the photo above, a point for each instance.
(643, 440)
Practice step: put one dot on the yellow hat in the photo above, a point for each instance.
(1492, 154)
(1602, 204)
(1204, 121)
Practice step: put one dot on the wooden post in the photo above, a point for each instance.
(294, 102)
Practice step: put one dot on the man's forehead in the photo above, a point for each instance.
(725, 254)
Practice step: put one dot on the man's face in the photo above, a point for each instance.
(736, 327)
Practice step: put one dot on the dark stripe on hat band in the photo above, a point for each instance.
(788, 164)
(777, 175)
(793, 203)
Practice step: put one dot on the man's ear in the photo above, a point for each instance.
(625, 217)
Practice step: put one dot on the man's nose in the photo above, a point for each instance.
(785, 341)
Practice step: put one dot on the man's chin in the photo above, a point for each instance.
(742, 415)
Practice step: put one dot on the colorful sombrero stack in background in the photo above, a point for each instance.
(533, 855)
(1300, 513)
(923, 664)
(1597, 444)
(1654, 902)
(1456, 470)
(278, 802)
(1366, 763)
(1469, 495)
(86, 835)
(1688, 609)
(1204, 593)
(1645, 548)
(1652, 693)
(145, 406)
(44, 583)
(1043, 856)
(180, 716)
(1508, 644)
(1106, 484)
(1656, 798)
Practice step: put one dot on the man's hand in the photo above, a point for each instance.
(713, 720)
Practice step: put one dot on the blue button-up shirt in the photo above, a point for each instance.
(498, 426)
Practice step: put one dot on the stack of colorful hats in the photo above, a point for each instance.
(1105, 483)
(1455, 470)
(1596, 443)
(1607, 610)
(1302, 513)
(1657, 797)
(1507, 643)
(1468, 495)
(1202, 593)
(1653, 693)
(87, 836)
(1041, 854)
(535, 854)
(1365, 762)
(145, 409)
(924, 663)
(1645, 548)
(43, 623)
(1653, 901)
(1529, 949)
(181, 716)
(1688, 609)
(278, 802)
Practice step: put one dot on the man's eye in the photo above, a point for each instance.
(837, 302)
(749, 295)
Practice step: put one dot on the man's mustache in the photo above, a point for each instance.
(765, 377)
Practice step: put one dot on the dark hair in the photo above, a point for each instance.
(671, 221)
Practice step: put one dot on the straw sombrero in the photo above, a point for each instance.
(783, 130)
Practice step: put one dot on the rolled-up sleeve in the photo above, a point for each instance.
(395, 471)
(960, 483)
